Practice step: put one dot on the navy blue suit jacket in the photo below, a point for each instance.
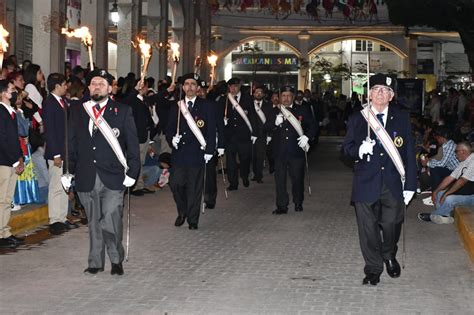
(284, 139)
(91, 155)
(10, 150)
(54, 123)
(237, 130)
(369, 176)
(189, 153)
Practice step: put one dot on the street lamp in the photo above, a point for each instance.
(114, 15)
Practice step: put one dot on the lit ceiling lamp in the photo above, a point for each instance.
(114, 15)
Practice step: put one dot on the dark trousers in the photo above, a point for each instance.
(258, 157)
(270, 157)
(104, 209)
(211, 181)
(187, 184)
(379, 225)
(437, 174)
(295, 167)
(244, 151)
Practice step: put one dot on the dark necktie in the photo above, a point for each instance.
(236, 98)
(380, 118)
(190, 105)
(97, 107)
(97, 113)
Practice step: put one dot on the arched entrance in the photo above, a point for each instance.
(262, 60)
(339, 65)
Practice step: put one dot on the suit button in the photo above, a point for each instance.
(286, 138)
(184, 133)
(93, 148)
(235, 125)
(286, 129)
(382, 168)
(94, 161)
(381, 154)
(184, 142)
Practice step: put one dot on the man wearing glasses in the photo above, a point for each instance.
(454, 190)
(384, 176)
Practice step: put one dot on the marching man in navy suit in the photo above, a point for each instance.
(384, 177)
(293, 128)
(105, 158)
(11, 162)
(192, 134)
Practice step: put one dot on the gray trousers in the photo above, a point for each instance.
(104, 209)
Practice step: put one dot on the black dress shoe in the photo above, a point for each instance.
(298, 208)
(245, 181)
(231, 188)
(393, 267)
(210, 206)
(4, 243)
(137, 192)
(279, 211)
(57, 228)
(93, 270)
(259, 181)
(371, 278)
(193, 226)
(179, 221)
(148, 191)
(117, 269)
(15, 240)
(423, 216)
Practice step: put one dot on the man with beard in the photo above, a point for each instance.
(192, 133)
(262, 109)
(105, 158)
(293, 129)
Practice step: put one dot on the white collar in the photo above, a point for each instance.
(190, 100)
(103, 103)
(384, 112)
(58, 98)
(8, 107)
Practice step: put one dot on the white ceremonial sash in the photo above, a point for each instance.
(107, 132)
(385, 140)
(260, 113)
(294, 122)
(240, 110)
(192, 124)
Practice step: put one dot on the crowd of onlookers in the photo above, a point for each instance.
(447, 119)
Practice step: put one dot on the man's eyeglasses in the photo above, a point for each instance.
(378, 89)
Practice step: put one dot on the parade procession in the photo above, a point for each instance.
(236, 157)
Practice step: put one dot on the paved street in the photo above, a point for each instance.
(244, 260)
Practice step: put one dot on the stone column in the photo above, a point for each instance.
(48, 42)
(95, 15)
(303, 73)
(189, 44)
(163, 38)
(153, 20)
(128, 60)
(410, 63)
(205, 23)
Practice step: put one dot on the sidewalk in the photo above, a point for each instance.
(244, 260)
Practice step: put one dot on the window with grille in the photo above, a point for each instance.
(25, 43)
(363, 45)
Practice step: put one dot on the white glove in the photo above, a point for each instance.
(366, 147)
(303, 141)
(220, 152)
(279, 120)
(269, 139)
(207, 157)
(225, 121)
(128, 181)
(176, 140)
(66, 181)
(407, 196)
(253, 139)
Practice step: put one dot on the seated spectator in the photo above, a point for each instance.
(455, 190)
(439, 169)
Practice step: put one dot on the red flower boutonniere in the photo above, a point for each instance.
(115, 110)
(300, 118)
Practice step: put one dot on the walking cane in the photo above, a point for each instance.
(223, 178)
(307, 172)
(203, 190)
(127, 249)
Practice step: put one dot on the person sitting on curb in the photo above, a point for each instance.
(455, 190)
